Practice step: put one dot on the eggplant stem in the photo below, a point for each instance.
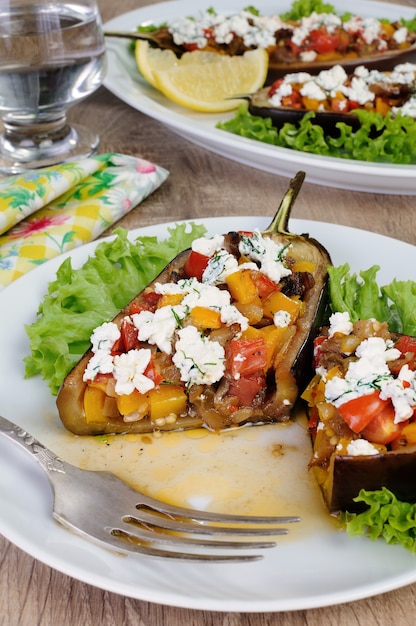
(279, 223)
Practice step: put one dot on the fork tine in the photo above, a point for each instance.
(140, 535)
(147, 503)
(101, 511)
(124, 542)
(194, 526)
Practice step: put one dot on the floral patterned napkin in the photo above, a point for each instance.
(46, 212)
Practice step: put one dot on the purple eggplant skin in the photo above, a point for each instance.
(383, 62)
(347, 475)
(259, 106)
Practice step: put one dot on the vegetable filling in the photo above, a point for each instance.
(209, 342)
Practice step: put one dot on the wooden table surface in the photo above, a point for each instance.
(201, 184)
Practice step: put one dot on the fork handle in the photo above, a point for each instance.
(45, 457)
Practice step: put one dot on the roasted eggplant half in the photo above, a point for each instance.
(334, 96)
(220, 338)
(362, 412)
(310, 44)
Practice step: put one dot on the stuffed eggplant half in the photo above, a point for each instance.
(334, 96)
(362, 412)
(314, 42)
(218, 339)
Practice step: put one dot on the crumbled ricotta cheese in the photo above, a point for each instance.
(340, 323)
(101, 362)
(400, 35)
(281, 319)
(402, 392)
(104, 337)
(219, 266)
(268, 253)
(158, 328)
(129, 368)
(258, 31)
(199, 360)
(207, 246)
(361, 447)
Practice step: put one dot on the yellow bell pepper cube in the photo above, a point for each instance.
(274, 338)
(251, 333)
(304, 266)
(203, 317)
(93, 404)
(311, 104)
(387, 29)
(315, 391)
(409, 431)
(278, 301)
(165, 400)
(242, 286)
(169, 299)
(382, 107)
(133, 402)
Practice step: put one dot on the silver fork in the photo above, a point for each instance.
(101, 507)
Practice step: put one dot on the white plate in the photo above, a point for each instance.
(240, 470)
(124, 80)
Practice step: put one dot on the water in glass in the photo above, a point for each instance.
(52, 55)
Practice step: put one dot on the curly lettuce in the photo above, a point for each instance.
(79, 300)
(386, 517)
(362, 297)
(379, 139)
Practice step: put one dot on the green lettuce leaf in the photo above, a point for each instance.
(79, 300)
(379, 139)
(386, 517)
(403, 295)
(362, 297)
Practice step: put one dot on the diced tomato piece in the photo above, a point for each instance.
(353, 104)
(147, 302)
(359, 412)
(190, 47)
(246, 388)
(118, 347)
(382, 428)
(317, 343)
(265, 285)
(129, 336)
(407, 346)
(195, 265)
(152, 373)
(274, 87)
(294, 100)
(322, 42)
(246, 356)
(340, 105)
(313, 420)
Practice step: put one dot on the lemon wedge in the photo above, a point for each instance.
(150, 60)
(205, 81)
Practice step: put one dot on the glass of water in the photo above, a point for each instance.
(52, 55)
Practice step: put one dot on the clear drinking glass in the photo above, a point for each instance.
(52, 55)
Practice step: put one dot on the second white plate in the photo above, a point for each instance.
(124, 80)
